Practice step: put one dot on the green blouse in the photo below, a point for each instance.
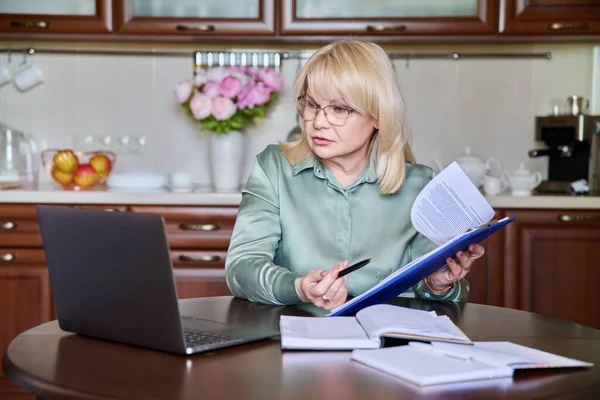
(296, 218)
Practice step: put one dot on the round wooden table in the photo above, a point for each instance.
(55, 364)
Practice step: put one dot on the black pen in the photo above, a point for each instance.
(354, 267)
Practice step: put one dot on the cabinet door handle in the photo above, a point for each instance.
(573, 218)
(559, 26)
(383, 28)
(211, 258)
(9, 225)
(30, 24)
(198, 227)
(8, 257)
(200, 28)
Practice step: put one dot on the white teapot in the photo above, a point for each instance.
(476, 168)
(522, 181)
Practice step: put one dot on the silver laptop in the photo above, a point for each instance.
(112, 279)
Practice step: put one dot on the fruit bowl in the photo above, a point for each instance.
(78, 170)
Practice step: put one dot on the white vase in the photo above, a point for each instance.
(226, 160)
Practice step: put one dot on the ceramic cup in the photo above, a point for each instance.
(27, 76)
(493, 185)
(5, 75)
(181, 180)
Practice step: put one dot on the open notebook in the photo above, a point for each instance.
(451, 212)
(438, 363)
(366, 330)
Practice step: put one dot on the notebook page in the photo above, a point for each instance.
(449, 205)
(513, 355)
(424, 368)
(323, 333)
(387, 319)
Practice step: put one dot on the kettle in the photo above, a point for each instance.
(19, 163)
(475, 167)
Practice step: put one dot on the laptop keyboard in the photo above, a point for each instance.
(193, 338)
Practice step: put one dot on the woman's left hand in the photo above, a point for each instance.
(455, 269)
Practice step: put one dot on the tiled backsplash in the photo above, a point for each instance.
(489, 104)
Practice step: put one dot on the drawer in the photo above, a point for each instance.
(198, 259)
(19, 224)
(198, 228)
(13, 256)
(206, 282)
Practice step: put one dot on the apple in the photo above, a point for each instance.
(61, 177)
(101, 164)
(85, 175)
(66, 161)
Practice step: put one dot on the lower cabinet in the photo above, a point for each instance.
(486, 275)
(545, 261)
(198, 238)
(551, 264)
(25, 302)
(199, 273)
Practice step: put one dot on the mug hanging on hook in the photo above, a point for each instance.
(5, 72)
(27, 74)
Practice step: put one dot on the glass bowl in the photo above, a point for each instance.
(78, 170)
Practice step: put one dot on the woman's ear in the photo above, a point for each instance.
(376, 124)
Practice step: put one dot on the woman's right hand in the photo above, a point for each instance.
(322, 288)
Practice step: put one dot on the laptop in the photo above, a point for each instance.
(112, 279)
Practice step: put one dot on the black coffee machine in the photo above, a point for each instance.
(573, 151)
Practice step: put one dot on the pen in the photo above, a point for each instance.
(354, 267)
(448, 353)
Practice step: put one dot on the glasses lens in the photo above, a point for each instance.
(335, 115)
(306, 110)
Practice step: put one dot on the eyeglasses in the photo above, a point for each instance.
(334, 114)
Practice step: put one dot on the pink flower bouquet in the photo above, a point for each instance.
(228, 98)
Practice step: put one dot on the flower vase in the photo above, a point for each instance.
(226, 153)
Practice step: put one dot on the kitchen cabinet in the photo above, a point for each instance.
(198, 237)
(196, 18)
(544, 262)
(302, 21)
(57, 16)
(25, 301)
(551, 264)
(550, 17)
(487, 273)
(389, 17)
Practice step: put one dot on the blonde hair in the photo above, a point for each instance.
(363, 76)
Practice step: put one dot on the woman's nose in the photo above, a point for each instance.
(320, 120)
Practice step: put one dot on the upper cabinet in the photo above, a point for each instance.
(197, 18)
(56, 16)
(550, 17)
(389, 17)
(302, 21)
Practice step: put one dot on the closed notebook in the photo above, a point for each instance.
(512, 355)
(439, 363)
(424, 368)
(367, 329)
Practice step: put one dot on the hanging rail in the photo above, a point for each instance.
(283, 55)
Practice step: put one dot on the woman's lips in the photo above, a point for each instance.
(320, 141)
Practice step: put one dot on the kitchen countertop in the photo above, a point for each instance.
(204, 196)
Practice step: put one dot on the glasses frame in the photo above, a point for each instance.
(319, 108)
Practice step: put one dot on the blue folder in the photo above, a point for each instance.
(407, 278)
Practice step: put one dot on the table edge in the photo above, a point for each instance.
(41, 387)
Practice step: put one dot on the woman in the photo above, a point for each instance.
(342, 192)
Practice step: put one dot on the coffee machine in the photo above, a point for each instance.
(573, 151)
